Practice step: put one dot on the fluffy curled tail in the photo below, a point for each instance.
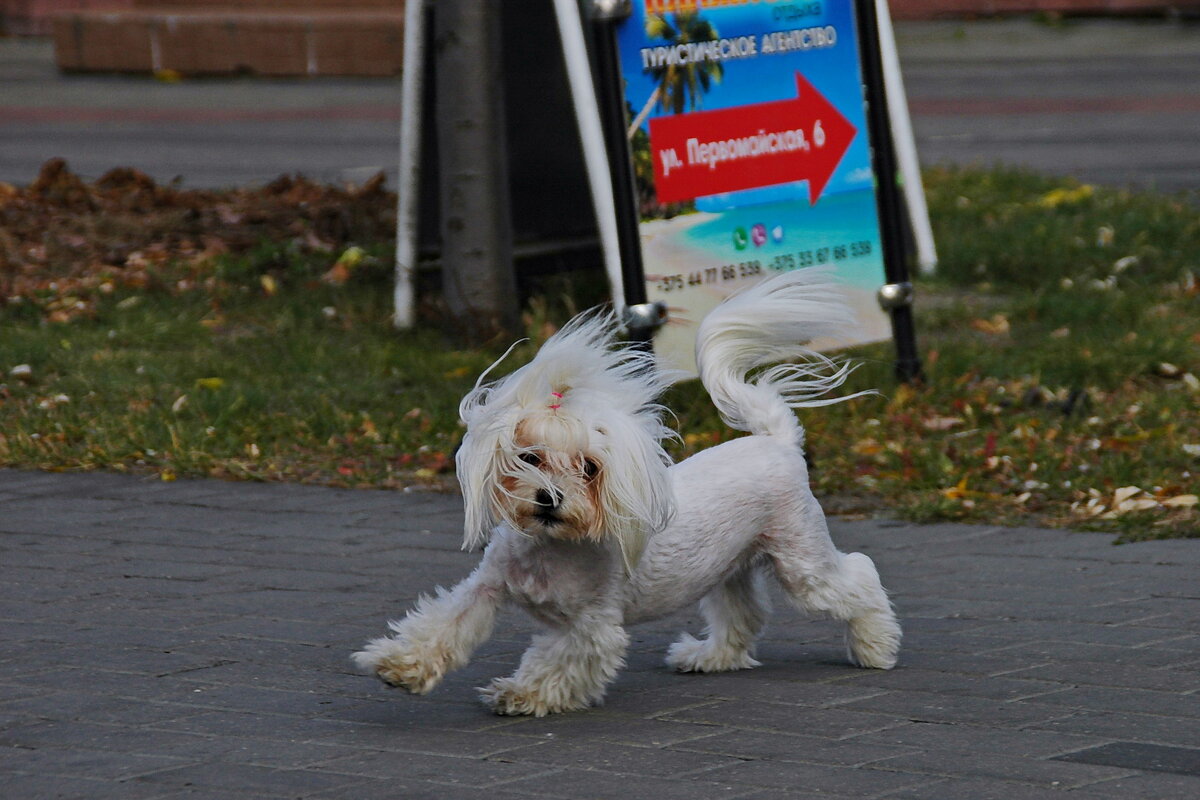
(768, 323)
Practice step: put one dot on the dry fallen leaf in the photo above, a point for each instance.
(1124, 493)
(996, 326)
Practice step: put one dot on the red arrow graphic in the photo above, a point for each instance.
(744, 147)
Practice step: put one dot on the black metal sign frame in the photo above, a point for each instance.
(895, 296)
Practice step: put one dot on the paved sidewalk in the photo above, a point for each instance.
(190, 639)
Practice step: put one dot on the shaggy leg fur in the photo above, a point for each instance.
(844, 586)
(566, 670)
(437, 636)
(735, 612)
(872, 632)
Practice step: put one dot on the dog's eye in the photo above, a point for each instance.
(532, 459)
(590, 468)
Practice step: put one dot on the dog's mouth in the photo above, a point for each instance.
(547, 518)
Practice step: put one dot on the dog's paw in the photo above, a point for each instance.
(396, 662)
(690, 654)
(507, 697)
(873, 641)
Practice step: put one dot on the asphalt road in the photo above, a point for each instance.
(1113, 102)
(1109, 101)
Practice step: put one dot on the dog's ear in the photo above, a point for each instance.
(635, 495)
(475, 465)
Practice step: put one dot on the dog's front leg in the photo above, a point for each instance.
(566, 669)
(438, 635)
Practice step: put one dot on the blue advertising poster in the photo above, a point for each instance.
(751, 154)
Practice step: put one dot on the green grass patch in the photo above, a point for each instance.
(307, 384)
(1061, 344)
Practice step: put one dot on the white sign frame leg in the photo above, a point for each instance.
(412, 91)
(904, 142)
(591, 135)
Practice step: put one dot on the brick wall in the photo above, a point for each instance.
(33, 17)
(225, 40)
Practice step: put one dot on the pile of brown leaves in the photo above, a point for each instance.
(63, 240)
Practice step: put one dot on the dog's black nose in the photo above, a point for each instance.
(545, 498)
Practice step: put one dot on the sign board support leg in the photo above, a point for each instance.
(906, 145)
(896, 296)
(641, 317)
(597, 155)
(412, 88)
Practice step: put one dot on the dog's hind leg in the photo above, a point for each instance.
(735, 612)
(844, 586)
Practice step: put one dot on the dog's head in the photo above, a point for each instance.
(569, 446)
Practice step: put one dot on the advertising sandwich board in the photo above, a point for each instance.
(751, 154)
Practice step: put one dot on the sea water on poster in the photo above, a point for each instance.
(758, 163)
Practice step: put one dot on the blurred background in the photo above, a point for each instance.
(222, 94)
(154, 323)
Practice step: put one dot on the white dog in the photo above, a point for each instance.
(589, 527)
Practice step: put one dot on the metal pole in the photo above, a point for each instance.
(898, 292)
(641, 317)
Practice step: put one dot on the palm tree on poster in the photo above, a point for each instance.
(679, 85)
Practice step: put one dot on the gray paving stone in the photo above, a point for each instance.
(608, 727)
(1153, 786)
(57, 787)
(649, 694)
(982, 789)
(1112, 675)
(932, 706)
(787, 794)
(191, 640)
(251, 779)
(82, 705)
(993, 687)
(392, 725)
(394, 789)
(1138, 701)
(645, 761)
(431, 767)
(1180, 731)
(1062, 631)
(599, 785)
(754, 685)
(983, 738)
(984, 765)
(832, 723)
(1037, 653)
(1180, 760)
(816, 778)
(758, 745)
(81, 763)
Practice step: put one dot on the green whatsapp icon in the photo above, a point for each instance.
(740, 238)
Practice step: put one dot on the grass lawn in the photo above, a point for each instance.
(1061, 344)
